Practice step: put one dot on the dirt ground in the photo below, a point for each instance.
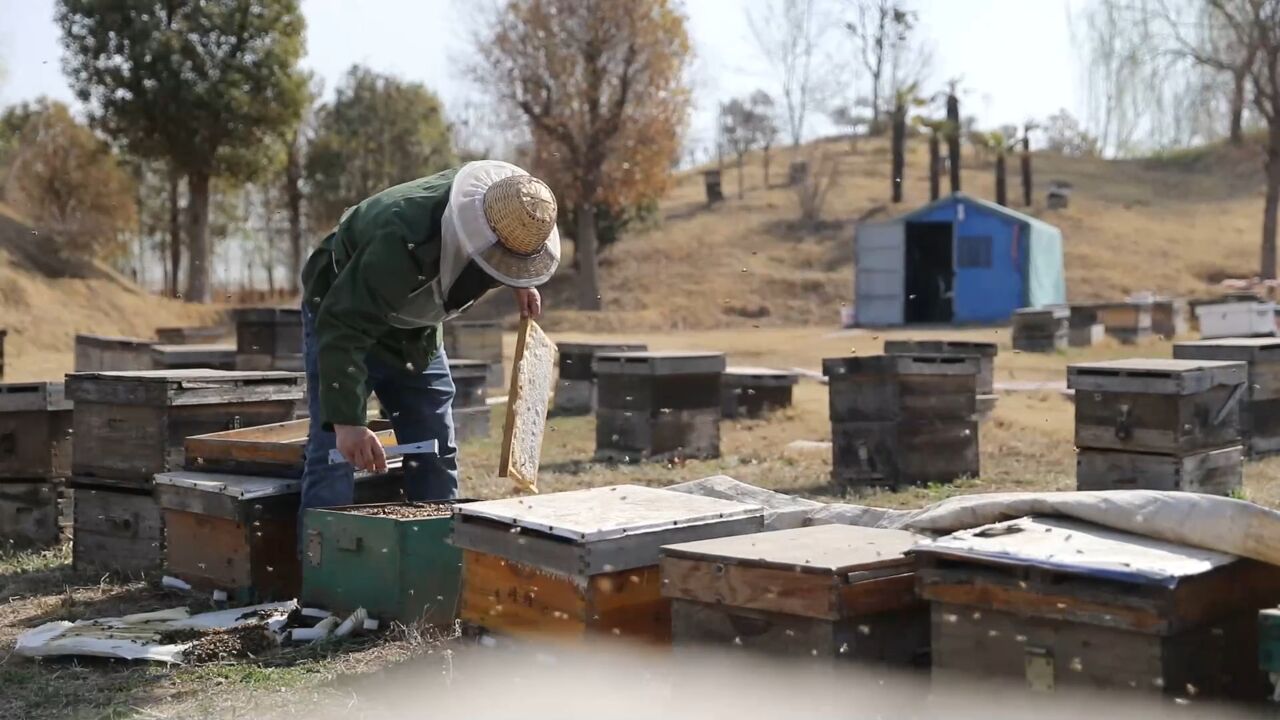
(1025, 445)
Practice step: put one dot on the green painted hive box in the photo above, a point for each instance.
(392, 559)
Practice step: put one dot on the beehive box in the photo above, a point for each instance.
(985, 352)
(269, 338)
(1086, 336)
(1128, 322)
(477, 340)
(1041, 330)
(576, 386)
(98, 353)
(186, 357)
(116, 529)
(1062, 604)
(902, 419)
(35, 431)
(752, 392)
(470, 411)
(1169, 318)
(658, 405)
(1173, 407)
(239, 534)
(1216, 472)
(829, 591)
(191, 335)
(275, 450)
(1236, 319)
(572, 564)
(129, 426)
(393, 560)
(29, 514)
(1260, 412)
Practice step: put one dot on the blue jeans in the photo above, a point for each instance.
(420, 406)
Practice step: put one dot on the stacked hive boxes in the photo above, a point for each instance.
(96, 353)
(574, 564)
(828, 591)
(576, 386)
(1169, 318)
(1041, 330)
(655, 406)
(130, 426)
(1083, 328)
(477, 340)
(1158, 425)
(902, 419)
(1058, 603)
(268, 338)
(470, 411)
(35, 459)
(984, 352)
(1128, 322)
(751, 392)
(190, 335)
(1260, 412)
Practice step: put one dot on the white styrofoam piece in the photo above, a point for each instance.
(1079, 548)
(608, 512)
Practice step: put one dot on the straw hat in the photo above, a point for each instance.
(506, 221)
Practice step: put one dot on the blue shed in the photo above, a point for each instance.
(956, 260)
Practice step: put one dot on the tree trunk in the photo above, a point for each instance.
(740, 193)
(1026, 169)
(766, 166)
(1268, 269)
(199, 268)
(899, 141)
(953, 140)
(935, 162)
(293, 196)
(1239, 81)
(584, 247)
(175, 232)
(1002, 192)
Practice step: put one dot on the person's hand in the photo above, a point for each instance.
(360, 447)
(529, 301)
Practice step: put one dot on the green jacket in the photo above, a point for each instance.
(381, 251)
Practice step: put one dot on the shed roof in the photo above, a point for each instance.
(985, 204)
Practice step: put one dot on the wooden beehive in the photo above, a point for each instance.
(902, 419)
(1169, 318)
(829, 591)
(35, 431)
(470, 411)
(239, 534)
(576, 385)
(191, 335)
(189, 357)
(129, 426)
(1128, 322)
(752, 392)
(116, 529)
(269, 338)
(1086, 336)
(97, 353)
(1158, 424)
(1041, 330)
(477, 340)
(1060, 604)
(572, 564)
(29, 514)
(396, 565)
(1260, 413)
(985, 352)
(658, 405)
(275, 450)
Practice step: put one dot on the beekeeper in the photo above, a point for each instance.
(376, 292)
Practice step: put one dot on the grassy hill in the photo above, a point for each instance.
(1174, 224)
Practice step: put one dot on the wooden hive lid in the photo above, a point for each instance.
(1077, 548)
(184, 349)
(737, 375)
(821, 549)
(239, 487)
(1056, 312)
(593, 348)
(108, 341)
(1155, 375)
(901, 364)
(267, 315)
(1249, 349)
(604, 513)
(659, 363)
(33, 397)
(197, 386)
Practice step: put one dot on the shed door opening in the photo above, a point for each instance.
(930, 273)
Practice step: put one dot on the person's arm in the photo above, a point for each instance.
(529, 301)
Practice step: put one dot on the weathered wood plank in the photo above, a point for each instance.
(632, 436)
(1217, 472)
(117, 531)
(28, 515)
(1159, 423)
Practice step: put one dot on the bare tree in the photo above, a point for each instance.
(744, 126)
(883, 33)
(1202, 33)
(763, 103)
(789, 33)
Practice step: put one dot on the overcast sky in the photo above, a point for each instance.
(1014, 56)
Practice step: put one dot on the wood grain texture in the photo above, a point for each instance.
(35, 444)
(1157, 422)
(528, 402)
(117, 530)
(1217, 472)
(28, 515)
